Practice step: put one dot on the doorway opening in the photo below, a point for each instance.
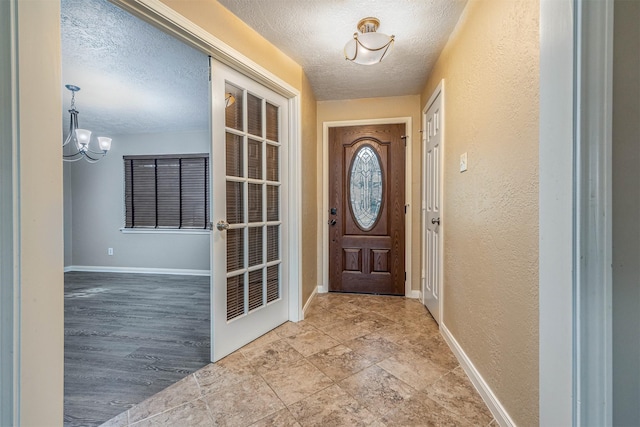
(367, 209)
(405, 123)
(137, 294)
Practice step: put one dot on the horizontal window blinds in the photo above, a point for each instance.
(167, 191)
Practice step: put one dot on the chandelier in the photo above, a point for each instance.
(370, 47)
(79, 139)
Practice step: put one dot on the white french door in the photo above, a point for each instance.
(248, 210)
(431, 207)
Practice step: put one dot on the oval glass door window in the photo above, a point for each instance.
(365, 187)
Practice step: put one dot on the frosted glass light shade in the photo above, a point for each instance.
(368, 48)
(104, 143)
(83, 136)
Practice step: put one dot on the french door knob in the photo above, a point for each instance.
(332, 222)
(222, 225)
(435, 221)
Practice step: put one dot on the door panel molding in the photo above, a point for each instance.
(324, 218)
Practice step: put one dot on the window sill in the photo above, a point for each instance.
(162, 231)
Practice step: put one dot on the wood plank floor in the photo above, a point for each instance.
(128, 336)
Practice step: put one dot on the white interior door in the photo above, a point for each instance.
(431, 207)
(249, 192)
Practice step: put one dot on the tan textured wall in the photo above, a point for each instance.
(41, 222)
(491, 67)
(378, 108)
(217, 20)
(310, 209)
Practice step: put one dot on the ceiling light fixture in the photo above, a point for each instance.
(82, 137)
(369, 47)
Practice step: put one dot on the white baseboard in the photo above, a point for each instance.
(490, 399)
(137, 270)
(414, 294)
(308, 303)
(323, 289)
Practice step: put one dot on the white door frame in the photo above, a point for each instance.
(324, 287)
(439, 91)
(161, 15)
(9, 223)
(575, 212)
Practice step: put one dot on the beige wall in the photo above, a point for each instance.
(491, 66)
(380, 108)
(310, 210)
(41, 223)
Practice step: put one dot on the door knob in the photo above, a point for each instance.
(222, 225)
(435, 221)
(332, 222)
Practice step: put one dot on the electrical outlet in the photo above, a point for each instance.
(109, 251)
(463, 162)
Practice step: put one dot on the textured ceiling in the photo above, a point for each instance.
(314, 32)
(133, 77)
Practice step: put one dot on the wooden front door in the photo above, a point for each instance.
(366, 209)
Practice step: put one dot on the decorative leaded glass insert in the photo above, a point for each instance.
(365, 187)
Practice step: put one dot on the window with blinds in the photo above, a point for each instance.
(167, 191)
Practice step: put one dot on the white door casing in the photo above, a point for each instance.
(249, 182)
(432, 244)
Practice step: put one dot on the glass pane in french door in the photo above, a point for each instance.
(253, 202)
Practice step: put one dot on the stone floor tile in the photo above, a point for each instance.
(243, 403)
(373, 347)
(185, 390)
(282, 418)
(413, 369)
(344, 329)
(290, 329)
(331, 407)
(273, 356)
(192, 414)
(339, 362)
(311, 342)
(297, 381)
(230, 370)
(436, 350)
(265, 339)
(455, 392)
(421, 411)
(376, 389)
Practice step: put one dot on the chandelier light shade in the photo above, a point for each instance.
(369, 47)
(79, 140)
(229, 99)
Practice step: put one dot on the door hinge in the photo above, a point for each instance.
(210, 59)
(405, 276)
(404, 137)
(405, 208)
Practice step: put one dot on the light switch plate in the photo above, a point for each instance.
(463, 162)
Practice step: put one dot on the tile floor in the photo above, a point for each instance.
(354, 360)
